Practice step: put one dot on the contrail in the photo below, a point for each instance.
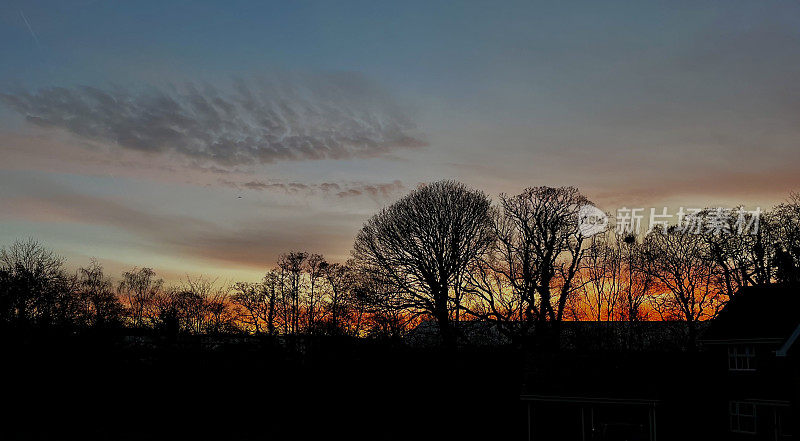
(35, 38)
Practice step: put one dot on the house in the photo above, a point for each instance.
(602, 384)
(742, 384)
(753, 360)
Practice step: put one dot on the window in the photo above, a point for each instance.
(741, 358)
(743, 417)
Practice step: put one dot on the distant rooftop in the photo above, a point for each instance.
(770, 312)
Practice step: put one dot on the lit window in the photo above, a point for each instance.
(741, 358)
(743, 417)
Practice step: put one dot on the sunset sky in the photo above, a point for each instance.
(198, 137)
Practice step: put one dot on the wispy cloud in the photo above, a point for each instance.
(381, 190)
(305, 117)
(253, 243)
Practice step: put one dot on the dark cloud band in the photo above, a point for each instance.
(332, 116)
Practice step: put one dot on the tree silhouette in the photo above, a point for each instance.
(99, 306)
(340, 280)
(786, 221)
(250, 298)
(35, 290)
(424, 241)
(139, 287)
(686, 285)
(313, 266)
(272, 286)
(442, 252)
(528, 277)
(292, 265)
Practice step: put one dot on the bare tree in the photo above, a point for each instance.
(35, 289)
(379, 308)
(292, 265)
(220, 316)
(191, 310)
(493, 297)
(686, 286)
(99, 305)
(313, 266)
(204, 305)
(340, 281)
(272, 286)
(740, 246)
(639, 279)
(257, 303)
(250, 299)
(364, 295)
(785, 221)
(166, 311)
(139, 287)
(284, 300)
(603, 277)
(530, 273)
(424, 241)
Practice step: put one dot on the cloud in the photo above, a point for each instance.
(715, 187)
(344, 190)
(377, 190)
(252, 243)
(305, 117)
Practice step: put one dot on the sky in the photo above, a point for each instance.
(210, 137)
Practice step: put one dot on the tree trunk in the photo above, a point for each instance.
(271, 315)
(443, 319)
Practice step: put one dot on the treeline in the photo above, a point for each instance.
(304, 294)
(526, 264)
(445, 253)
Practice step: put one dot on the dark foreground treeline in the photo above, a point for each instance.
(103, 386)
